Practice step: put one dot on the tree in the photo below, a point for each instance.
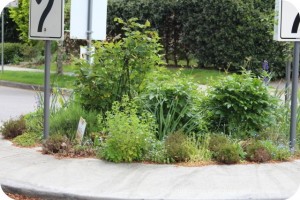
(20, 16)
(11, 34)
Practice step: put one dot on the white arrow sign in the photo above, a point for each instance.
(288, 18)
(46, 19)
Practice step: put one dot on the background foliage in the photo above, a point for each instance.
(218, 33)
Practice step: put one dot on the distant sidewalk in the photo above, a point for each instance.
(26, 69)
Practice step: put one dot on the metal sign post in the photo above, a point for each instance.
(47, 88)
(2, 40)
(89, 31)
(88, 22)
(46, 23)
(293, 127)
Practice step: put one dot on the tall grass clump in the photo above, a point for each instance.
(174, 102)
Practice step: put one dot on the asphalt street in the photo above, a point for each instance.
(14, 102)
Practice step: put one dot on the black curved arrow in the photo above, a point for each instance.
(296, 24)
(44, 15)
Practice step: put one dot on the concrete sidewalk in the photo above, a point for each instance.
(29, 171)
(26, 69)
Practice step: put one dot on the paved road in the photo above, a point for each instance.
(14, 102)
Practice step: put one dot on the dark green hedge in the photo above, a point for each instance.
(222, 34)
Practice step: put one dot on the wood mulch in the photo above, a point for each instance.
(21, 197)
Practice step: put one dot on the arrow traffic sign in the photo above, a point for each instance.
(288, 18)
(46, 19)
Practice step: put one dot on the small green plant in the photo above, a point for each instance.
(129, 135)
(229, 154)
(202, 142)
(157, 153)
(28, 139)
(65, 120)
(216, 142)
(179, 147)
(257, 152)
(57, 144)
(280, 153)
(173, 100)
(13, 127)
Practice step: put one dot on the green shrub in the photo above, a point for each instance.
(240, 105)
(173, 100)
(179, 147)
(229, 154)
(157, 152)
(31, 53)
(11, 50)
(65, 121)
(35, 121)
(216, 142)
(257, 152)
(56, 144)
(13, 127)
(280, 153)
(28, 139)
(129, 135)
(119, 66)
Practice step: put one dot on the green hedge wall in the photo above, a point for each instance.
(223, 34)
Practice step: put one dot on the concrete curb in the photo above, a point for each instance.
(46, 194)
(31, 87)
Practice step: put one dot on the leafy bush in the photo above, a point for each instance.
(13, 127)
(202, 142)
(65, 121)
(229, 154)
(11, 51)
(257, 152)
(240, 105)
(28, 139)
(157, 152)
(280, 153)
(129, 135)
(216, 142)
(55, 144)
(179, 147)
(119, 66)
(173, 100)
(34, 121)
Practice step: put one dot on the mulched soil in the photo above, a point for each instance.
(21, 197)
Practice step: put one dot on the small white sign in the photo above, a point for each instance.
(46, 20)
(287, 25)
(81, 129)
(79, 19)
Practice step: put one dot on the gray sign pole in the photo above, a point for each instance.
(2, 50)
(47, 88)
(89, 31)
(295, 79)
